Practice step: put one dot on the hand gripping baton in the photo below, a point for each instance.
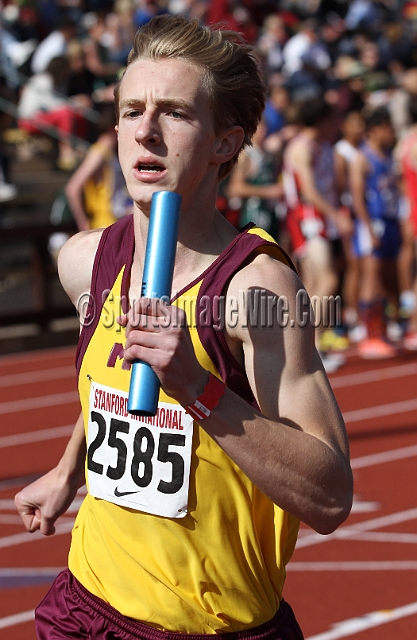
(158, 270)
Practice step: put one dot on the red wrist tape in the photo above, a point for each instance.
(208, 400)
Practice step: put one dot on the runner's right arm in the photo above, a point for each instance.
(42, 502)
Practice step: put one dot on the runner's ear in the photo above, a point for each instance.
(228, 144)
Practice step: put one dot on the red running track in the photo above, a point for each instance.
(360, 582)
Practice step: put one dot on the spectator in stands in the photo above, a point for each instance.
(120, 31)
(332, 34)
(147, 9)
(303, 43)
(8, 82)
(53, 46)
(271, 43)
(363, 13)
(394, 48)
(350, 75)
(96, 49)
(237, 17)
(369, 56)
(81, 81)
(13, 54)
(377, 236)
(310, 81)
(44, 105)
(399, 105)
(8, 191)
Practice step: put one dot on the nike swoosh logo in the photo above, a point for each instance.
(120, 494)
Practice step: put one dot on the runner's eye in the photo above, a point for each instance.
(176, 115)
(133, 113)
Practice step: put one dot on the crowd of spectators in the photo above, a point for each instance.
(356, 57)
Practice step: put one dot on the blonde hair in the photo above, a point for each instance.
(232, 76)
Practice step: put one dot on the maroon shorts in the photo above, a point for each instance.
(70, 611)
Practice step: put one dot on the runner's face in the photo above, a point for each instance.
(385, 135)
(165, 129)
(354, 126)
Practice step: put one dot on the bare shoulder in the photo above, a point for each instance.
(75, 262)
(269, 329)
(267, 294)
(299, 150)
(361, 163)
(265, 272)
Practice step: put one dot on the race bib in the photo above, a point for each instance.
(138, 462)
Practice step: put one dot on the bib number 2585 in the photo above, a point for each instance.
(141, 463)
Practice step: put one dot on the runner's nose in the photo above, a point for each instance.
(148, 129)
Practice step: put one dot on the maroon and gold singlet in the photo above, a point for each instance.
(172, 533)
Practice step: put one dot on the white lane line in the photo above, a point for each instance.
(17, 618)
(27, 377)
(37, 403)
(367, 621)
(21, 538)
(350, 531)
(384, 456)
(357, 415)
(364, 506)
(386, 565)
(353, 379)
(383, 536)
(35, 436)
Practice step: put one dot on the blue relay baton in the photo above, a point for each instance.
(158, 271)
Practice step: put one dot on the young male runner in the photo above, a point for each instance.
(377, 236)
(346, 150)
(314, 215)
(191, 516)
(406, 155)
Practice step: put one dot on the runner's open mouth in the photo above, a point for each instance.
(150, 167)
